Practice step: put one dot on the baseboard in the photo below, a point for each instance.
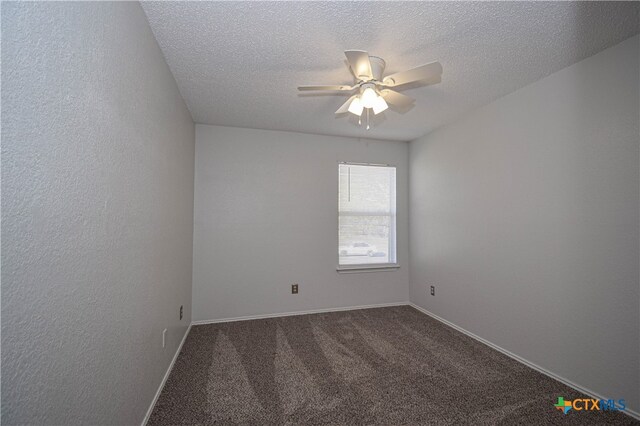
(521, 360)
(166, 376)
(288, 314)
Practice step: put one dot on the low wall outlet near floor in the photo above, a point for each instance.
(164, 337)
(294, 289)
(433, 290)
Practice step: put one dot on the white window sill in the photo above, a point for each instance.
(355, 269)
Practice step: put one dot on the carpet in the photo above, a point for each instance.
(385, 366)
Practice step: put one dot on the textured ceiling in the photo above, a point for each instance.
(239, 63)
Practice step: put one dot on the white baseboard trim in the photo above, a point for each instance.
(521, 360)
(288, 314)
(166, 376)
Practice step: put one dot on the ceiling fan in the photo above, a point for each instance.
(374, 91)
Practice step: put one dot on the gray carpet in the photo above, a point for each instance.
(387, 366)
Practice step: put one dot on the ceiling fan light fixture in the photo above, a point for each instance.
(379, 105)
(356, 107)
(369, 97)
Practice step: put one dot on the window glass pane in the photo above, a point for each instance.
(367, 214)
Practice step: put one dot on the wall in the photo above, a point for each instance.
(524, 215)
(97, 211)
(266, 207)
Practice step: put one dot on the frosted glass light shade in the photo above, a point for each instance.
(356, 107)
(379, 105)
(369, 97)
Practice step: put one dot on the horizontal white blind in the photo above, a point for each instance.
(367, 214)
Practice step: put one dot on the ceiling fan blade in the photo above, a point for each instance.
(360, 64)
(331, 88)
(429, 72)
(396, 99)
(345, 106)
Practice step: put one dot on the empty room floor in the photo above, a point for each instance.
(386, 366)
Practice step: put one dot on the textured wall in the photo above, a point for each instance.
(266, 216)
(524, 215)
(97, 208)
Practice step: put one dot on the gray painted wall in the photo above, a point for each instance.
(266, 207)
(97, 213)
(524, 215)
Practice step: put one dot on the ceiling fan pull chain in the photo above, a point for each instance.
(368, 127)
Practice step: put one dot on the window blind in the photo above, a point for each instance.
(366, 214)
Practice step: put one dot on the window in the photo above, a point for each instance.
(366, 216)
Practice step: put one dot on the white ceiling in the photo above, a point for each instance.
(239, 63)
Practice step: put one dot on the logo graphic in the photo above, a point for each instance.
(563, 405)
(589, 404)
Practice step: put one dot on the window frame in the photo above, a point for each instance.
(366, 267)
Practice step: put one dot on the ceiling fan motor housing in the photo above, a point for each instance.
(377, 67)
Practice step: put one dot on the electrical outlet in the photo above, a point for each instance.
(294, 289)
(164, 337)
(180, 312)
(433, 290)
